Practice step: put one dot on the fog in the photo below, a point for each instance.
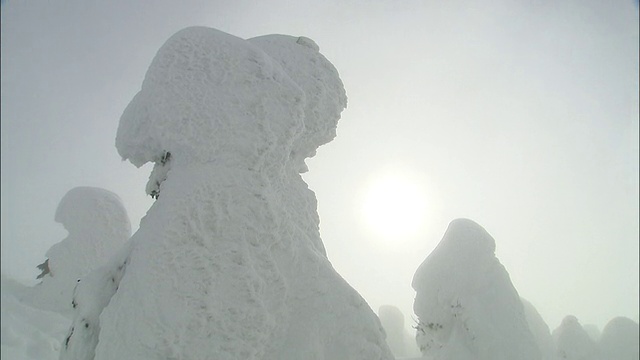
(520, 115)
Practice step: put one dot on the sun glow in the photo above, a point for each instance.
(395, 207)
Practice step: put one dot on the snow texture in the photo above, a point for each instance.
(467, 307)
(573, 343)
(620, 340)
(228, 263)
(401, 343)
(539, 329)
(98, 225)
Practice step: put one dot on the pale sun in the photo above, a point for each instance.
(394, 207)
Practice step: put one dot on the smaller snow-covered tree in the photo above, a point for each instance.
(98, 226)
(467, 307)
(573, 343)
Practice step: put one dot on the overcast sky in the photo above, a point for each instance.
(520, 115)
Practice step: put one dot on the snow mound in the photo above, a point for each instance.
(620, 340)
(573, 343)
(466, 305)
(98, 226)
(228, 263)
(27, 332)
(401, 343)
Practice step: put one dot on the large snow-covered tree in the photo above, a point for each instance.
(228, 262)
(402, 344)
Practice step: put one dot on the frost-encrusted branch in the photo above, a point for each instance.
(159, 175)
(424, 335)
(422, 326)
(44, 269)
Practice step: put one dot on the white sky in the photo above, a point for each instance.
(521, 115)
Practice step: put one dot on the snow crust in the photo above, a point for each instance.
(98, 226)
(228, 263)
(466, 304)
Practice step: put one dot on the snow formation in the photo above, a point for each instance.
(466, 305)
(98, 226)
(620, 340)
(573, 343)
(228, 263)
(401, 343)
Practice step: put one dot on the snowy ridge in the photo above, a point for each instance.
(228, 262)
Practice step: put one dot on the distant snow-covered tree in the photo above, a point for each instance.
(98, 226)
(573, 343)
(593, 331)
(620, 340)
(401, 343)
(467, 307)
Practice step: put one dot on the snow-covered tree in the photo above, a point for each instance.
(466, 305)
(593, 331)
(98, 225)
(620, 340)
(573, 343)
(228, 262)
